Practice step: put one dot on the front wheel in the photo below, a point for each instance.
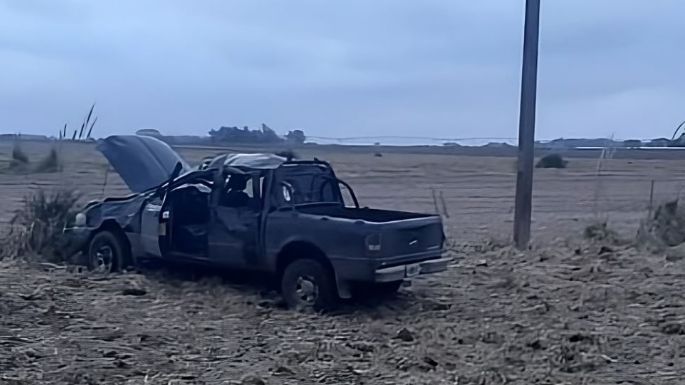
(307, 284)
(106, 253)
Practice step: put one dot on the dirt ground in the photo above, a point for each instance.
(567, 312)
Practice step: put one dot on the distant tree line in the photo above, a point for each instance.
(603, 142)
(244, 135)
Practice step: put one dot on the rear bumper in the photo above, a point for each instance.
(400, 272)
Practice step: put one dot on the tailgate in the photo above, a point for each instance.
(411, 236)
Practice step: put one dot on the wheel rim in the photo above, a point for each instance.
(306, 290)
(102, 258)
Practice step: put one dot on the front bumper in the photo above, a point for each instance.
(400, 272)
(75, 239)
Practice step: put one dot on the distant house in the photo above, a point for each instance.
(581, 142)
(632, 143)
(22, 136)
(659, 142)
(149, 132)
(185, 139)
(498, 145)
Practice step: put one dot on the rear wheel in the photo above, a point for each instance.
(307, 284)
(107, 253)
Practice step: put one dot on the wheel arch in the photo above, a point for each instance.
(302, 249)
(113, 227)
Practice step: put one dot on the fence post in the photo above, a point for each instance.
(651, 199)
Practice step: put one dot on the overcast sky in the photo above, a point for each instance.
(448, 68)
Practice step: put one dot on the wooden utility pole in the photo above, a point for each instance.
(526, 146)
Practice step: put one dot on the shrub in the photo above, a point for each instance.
(37, 226)
(51, 163)
(20, 163)
(665, 228)
(18, 155)
(600, 231)
(552, 161)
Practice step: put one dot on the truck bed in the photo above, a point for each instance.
(405, 237)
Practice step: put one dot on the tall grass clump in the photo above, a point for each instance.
(664, 228)
(19, 160)
(21, 164)
(36, 227)
(51, 162)
(600, 231)
(86, 131)
(18, 154)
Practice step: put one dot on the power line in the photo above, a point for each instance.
(385, 137)
(442, 139)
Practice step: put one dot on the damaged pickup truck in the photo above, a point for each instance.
(261, 212)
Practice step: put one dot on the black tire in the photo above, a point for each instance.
(107, 253)
(308, 285)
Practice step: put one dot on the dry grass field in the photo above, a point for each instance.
(570, 311)
(478, 190)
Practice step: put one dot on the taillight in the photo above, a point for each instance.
(373, 243)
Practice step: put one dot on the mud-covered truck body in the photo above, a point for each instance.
(256, 212)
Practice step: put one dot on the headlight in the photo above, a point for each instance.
(80, 220)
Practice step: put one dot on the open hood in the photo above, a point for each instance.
(142, 162)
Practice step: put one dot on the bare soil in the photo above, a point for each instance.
(567, 312)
